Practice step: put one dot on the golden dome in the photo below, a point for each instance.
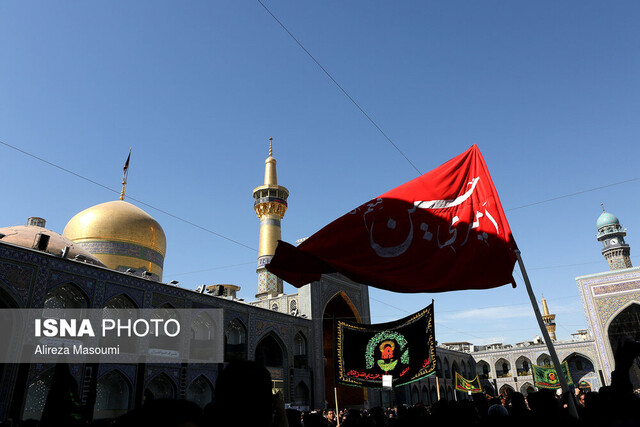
(121, 235)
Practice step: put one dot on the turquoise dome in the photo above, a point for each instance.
(607, 219)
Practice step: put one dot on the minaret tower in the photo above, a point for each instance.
(549, 320)
(270, 205)
(611, 234)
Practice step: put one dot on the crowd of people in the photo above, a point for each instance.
(243, 398)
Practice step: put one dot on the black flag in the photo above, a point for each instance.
(404, 349)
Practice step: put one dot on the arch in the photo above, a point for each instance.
(425, 394)
(271, 351)
(300, 351)
(449, 393)
(301, 395)
(160, 387)
(443, 394)
(577, 353)
(463, 370)
(347, 300)
(527, 388)
(37, 395)
(200, 391)
(339, 306)
(67, 295)
(483, 369)
(434, 394)
(454, 369)
(438, 367)
(8, 298)
(119, 306)
(161, 341)
(274, 307)
(201, 345)
(523, 366)
(272, 354)
(503, 368)
(293, 306)
(120, 301)
(624, 324)
(506, 389)
(415, 395)
(471, 370)
(544, 360)
(580, 367)
(235, 341)
(113, 395)
(447, 370)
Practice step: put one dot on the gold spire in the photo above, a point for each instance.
(545, 309)
(125, 174)
(270, 174)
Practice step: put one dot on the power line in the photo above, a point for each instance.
(186, 221)
(573, 194)
(339, 87)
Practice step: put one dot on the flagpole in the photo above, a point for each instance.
(545, 334)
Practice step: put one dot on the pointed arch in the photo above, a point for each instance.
(300, 350)
(345, 297)
(271, 350)
(37, 393)
(415, 395)
(425, 394)
(506, 389)
(527, 388)
(523, 366)
(203, 333)
(483, 369)
(447, 369)
(339, 306)
(200, 391)
(624, 323)
(66, 296)
(544, 360)
(113, 395)
(235, 341)
(503, 368)
(160, 387)
(120, 301)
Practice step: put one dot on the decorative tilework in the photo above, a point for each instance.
(105, 247)
(615, 288)
(18, 278)
(610, 305)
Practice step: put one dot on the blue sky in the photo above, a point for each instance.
(548, 90)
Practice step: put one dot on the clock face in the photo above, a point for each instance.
(613, 241)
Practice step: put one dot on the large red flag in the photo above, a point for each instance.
(442, 231)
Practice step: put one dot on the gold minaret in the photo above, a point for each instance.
(270, 205)
(549, 320)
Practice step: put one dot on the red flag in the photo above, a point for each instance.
(442, 231)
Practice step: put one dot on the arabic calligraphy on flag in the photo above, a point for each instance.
(548, 378)
(445, 230)
(404, 349)
(466, 385)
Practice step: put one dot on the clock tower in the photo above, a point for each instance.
(611, 234)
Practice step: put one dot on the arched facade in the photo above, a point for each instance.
(200, 391)
(113, 395)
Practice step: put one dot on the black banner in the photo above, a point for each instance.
(404, 349)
